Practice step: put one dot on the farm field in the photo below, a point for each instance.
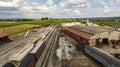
(17, 29)
(8, 23)
(14, 27)
(11, 28)
(108, 23)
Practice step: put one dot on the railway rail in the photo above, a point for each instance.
(51, 42)
(5, 56)
(19, 46)
(45, 52)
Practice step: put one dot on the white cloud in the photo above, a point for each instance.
(16, 1)
(64, 11)
(76, 1)
(34, 3)
(26, 9)
(102, 3)
(50, 2)
(63, 4)
(117, 1)
(8, 4)
(106, 9)
(77, 12)
(111, 2)
(84, 5)
(65, 8)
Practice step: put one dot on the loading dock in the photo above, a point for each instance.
(105, 41)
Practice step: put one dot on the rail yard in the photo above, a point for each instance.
(59, 33)
(44, 47)
(68, 45)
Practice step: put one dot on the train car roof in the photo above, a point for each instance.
(8, 65)
(26, 61)
(37, 47)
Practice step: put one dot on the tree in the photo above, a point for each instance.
(44, 18)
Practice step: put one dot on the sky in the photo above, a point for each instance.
(59, 8)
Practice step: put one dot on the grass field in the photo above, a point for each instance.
(14, 27)
(8, 24)
(17, 29)
(108, 23)
(11, 28)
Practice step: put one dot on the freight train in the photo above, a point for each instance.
(9, 64)
(31, 59)
(16, 58)
(31, 56)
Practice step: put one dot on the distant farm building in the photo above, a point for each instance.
(88, 35)
(4, 38)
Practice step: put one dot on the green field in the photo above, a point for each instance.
(17, 29)
(108, 23)
(11, 28)
(14, 27)
(8, 24)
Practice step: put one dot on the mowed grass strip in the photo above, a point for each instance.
(17, 29)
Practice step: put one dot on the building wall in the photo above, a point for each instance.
(111, 35)
(4, 40)
(74, 42)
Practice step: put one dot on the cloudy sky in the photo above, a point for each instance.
(59, 8)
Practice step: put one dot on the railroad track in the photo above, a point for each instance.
(51, 41)
(64, 60)
(21, 42)
(5, 55)
(18, 44)
(65, 63)
(14, 49)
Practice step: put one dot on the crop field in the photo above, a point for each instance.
(7, 24)
(108, 23)
(10, 27)
(17, 29)
(14, 27)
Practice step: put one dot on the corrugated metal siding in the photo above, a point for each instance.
(80, 47)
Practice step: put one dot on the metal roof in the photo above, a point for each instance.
(90, 29)
(8, 64)
(25, 62)
(37, 47)
(2, 35)
(79, 33)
